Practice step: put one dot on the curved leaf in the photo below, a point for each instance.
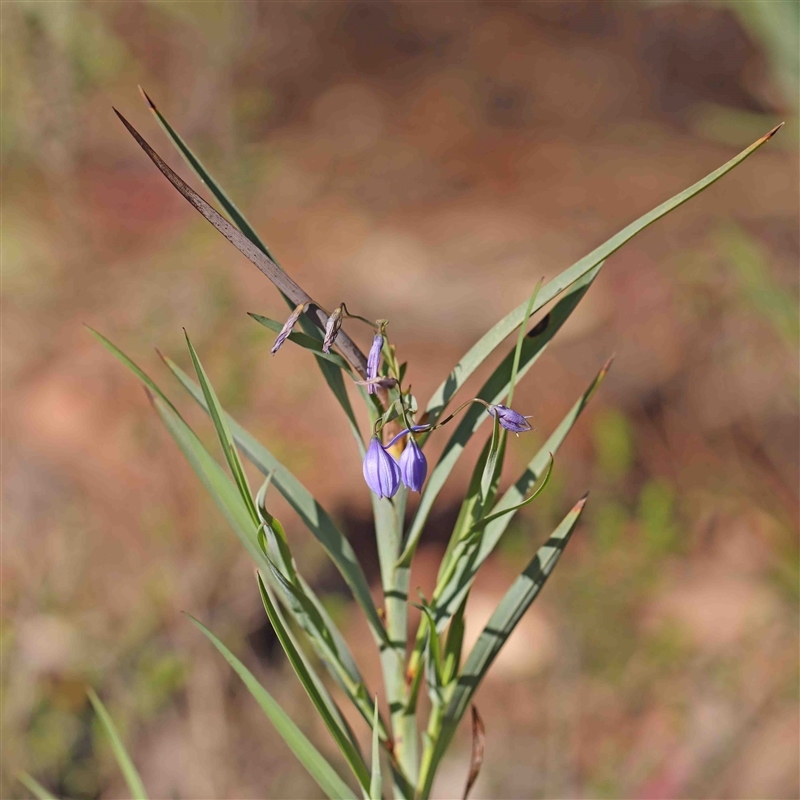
(314, 516)
(501, 624)
(132, 779)
(322, 701)
(493, 391)
(308, 755)
(451, 592)
(478, 353)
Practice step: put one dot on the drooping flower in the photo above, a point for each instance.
(332, 328)
(511, 420)
(287, 328)
(413, 466)
(381, 471)
(374, 362)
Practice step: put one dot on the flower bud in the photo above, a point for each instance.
(381, 471)
(510, 419)
(413, 466)
(374, 362)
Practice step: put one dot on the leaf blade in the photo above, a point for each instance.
(376, 780)
(252, 252)
(34, 787)
(216, 413)
(132, 779)
(314, 516)
(203, 174)
(501, 624)
(308, 755)
(449, 595)
(325, 706)
(493, 390)
(476, 355)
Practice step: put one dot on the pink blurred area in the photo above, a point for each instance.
(426, 163)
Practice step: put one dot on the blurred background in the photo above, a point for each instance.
(425, 162)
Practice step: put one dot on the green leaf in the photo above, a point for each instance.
(451, 589)
(512, 383)
(197, 167)
(226, 440)
(470, 508)
(132, 779)
(335, 379)
(501, 624)
(453, 644)
(272, 270)
(314, 516)
(34, 787)
(309, 613)
(304, 340)
(221, 488)
(478, 353)
(312, 340)
(482, 523)
(322, 701)
(493, 391)
(294, 294)
(319, 769)
(134, 368)
(490, 469)
(375, 781)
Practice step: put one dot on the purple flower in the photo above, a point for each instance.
(413, 466)
(287, 328)
(374, 362)
(510, 419)
(332, 328)
(381, 471)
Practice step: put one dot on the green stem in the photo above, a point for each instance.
(388, 525)
(431, 735)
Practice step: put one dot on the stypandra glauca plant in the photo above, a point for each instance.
(406, 750)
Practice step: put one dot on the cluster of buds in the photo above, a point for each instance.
(382, 472)
(384, 475)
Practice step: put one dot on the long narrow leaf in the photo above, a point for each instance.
(450, 594)
(221, 488)
(197, 167)
(132, 366)
(132, 779)
(307, 610)
(251, 251)
(375, 781)
(241, 222)
(493, 391)
(478, 353)
(325, 706)
(483, 522)
(34, 787)
(325, 654)
(308, 755)
(512, 383)
(501, 624)
(226, 440)
(316, 519)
